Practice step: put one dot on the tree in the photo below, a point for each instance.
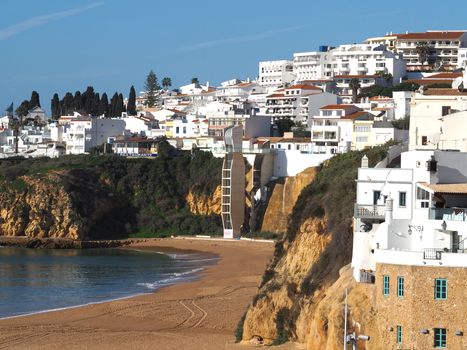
(166, 83)
(77, 102)
(423, 50)
(104, 106)
(120, 106)
(68, 104)
(34, 101)
(17, 123)
(151, 86)
(88, 100)
(113, 105)
(131, 105)
(55, 107)
(195, 81)
(354, 85)
(284, 125)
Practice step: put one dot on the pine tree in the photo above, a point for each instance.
(113, 106)
(95, 104)
(55, 107)
(104, 106)
(131, 105)
(77, 102)
(88, 99)
(67, 104)
(120, 107)
(151, 86)
(34, 101)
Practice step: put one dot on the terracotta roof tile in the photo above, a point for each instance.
(341, 106)
(431, 36)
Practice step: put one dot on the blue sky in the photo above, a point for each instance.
(65, 45)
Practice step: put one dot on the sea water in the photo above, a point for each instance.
(36, 280)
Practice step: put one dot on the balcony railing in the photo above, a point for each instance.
(369, 211)
(432, 254)
(448, 214)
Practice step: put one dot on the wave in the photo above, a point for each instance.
(175, 277)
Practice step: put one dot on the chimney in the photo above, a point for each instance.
(389, 209)
(364, 162)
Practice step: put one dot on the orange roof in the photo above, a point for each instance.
(381, 98)
(445, 92)
(353, 115)
(382, 109)
(446, 75)
(460, 188)
(357, 76)
(244, 84)
(303, 87)
(176, 111)
(431, 36)
(316, 81)
(341, 106)
(429, 81)
(275, 95)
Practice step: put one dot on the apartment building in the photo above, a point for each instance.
(298, 102)
(273, 74)
(410, 227)
(431, 49)
(353, 59)
(428, 111)
(343, 88)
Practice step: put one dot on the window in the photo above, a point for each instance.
(445, 110)
(399, 334)
(376, 195)
(402, 199)
(424, 140)
(441, 289)
(362, 139)
(400, 286)
(440, 338)
(386, 285)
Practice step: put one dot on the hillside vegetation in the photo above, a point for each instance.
(291, 304)
(109, 196)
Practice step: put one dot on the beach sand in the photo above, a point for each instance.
(201, 314)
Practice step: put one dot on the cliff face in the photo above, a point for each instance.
(284, 195)
(301, 297)
(46, 208)
(202, 204)
(106, 197)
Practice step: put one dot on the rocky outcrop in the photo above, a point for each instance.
(202, 204)
(48, 207)
(301, 296)
(284, 195)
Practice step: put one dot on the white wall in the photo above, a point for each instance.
(290, 163)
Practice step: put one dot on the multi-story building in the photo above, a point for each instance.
(431, 50)
(388, 40)
(343, 88)
(299, 102)
(273, 74)
(410, 227)
(354, 59)
(428, 110)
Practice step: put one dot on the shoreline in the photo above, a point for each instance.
(197, 314)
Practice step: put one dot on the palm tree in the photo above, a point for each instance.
(354, 85)
(423, 50)
(166, 82)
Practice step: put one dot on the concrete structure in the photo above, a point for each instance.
(443, 49)
(273, 74)
(428, 110)
(298, 102)
(401, 104)
(233, 184)
(462, 57)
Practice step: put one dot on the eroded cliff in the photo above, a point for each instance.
(302, 292)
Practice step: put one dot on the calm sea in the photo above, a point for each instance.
(33, 280)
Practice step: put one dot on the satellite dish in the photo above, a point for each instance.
(456, 84)
(434, 138)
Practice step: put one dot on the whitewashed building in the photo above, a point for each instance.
(273, 74)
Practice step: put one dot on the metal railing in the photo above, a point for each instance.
(432, 254)
(449, 214)
(369, 211)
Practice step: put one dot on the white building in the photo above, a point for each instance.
(427, 111)
(84, 133)
(344, 60)
(298, 102)
(274, 74)
(462, 57)
(443, 49)
(412, 215)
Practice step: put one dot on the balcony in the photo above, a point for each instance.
(448, 214)
(369, 211)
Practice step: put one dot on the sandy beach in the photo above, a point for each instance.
(202, 314)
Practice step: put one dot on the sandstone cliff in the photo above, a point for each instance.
(202, 204)
(284, 195)
(302, 292)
